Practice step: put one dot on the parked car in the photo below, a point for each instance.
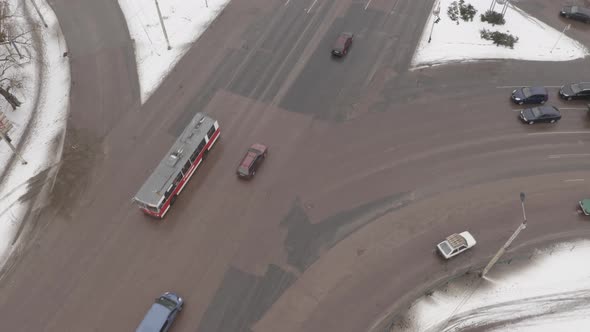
(576, 13)
(540, 114)
(585, 206)
(455, 244)
(342, 44)
(161, 314)
(530, 95)
(254, 157)
(575, 91)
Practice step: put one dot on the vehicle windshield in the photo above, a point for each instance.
(446, 248)
(526, 92)
(166, 302)
(574, 9)
(576, 88)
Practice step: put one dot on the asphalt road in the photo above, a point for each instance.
(370, 166)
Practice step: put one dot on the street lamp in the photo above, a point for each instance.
(435, 13)
(507, 244)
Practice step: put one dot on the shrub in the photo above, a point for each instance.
(453, 12)
(493, 18)
(467, 11)
(460, 9)
(499, 38)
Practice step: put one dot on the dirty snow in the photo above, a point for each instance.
(546, 291)
(184, 21)
(452, 42)
(44, 114)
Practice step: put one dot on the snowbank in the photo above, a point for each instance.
(184, 21)
(39, 123)
(452, 42)
(548, 291)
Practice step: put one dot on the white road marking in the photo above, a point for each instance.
(561, 133)
(286, 3)
(573, 180)
(522, 86)
(571, 155)
(313, 4)
(368, 3)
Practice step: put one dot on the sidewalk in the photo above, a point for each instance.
(39, 127)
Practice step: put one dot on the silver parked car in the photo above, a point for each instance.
(162, 313)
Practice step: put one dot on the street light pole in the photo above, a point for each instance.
(162, 24)
(567, 27)
(435, 14)
(507, 244)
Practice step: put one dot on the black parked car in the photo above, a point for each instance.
(540, 114)
(530, 95)
(576, 13)
(575, 91)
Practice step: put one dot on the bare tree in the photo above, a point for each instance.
(15, 52)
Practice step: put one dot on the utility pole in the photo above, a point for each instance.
(567, 27)
(39, 13)
(206, 4)
(5, 127)
(507, 244)
(162, 24)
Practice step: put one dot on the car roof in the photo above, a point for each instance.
(546, 109)
(258, 147)
(584, 85)
(579, 9)
(456, 241)
(248, 159)
(342, 39)
(538, 90)
(154, 319)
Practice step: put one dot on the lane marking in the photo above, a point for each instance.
(524, 86)
(574, 180)
(571, 155)
(313, 4)
(286, 3)
(368, 3)
(561, 133)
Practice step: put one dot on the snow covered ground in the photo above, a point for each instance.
(39, 123)
(184, 20)
(547, 291)
(452, 42)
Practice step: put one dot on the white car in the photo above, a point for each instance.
(455, 244)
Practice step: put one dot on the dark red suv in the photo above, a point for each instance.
(252, 160)
(342, 44)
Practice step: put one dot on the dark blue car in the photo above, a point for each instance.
(575, 91)
(540, 114)
(530, 95)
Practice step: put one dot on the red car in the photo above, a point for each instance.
(342, 44)
(252, 160)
